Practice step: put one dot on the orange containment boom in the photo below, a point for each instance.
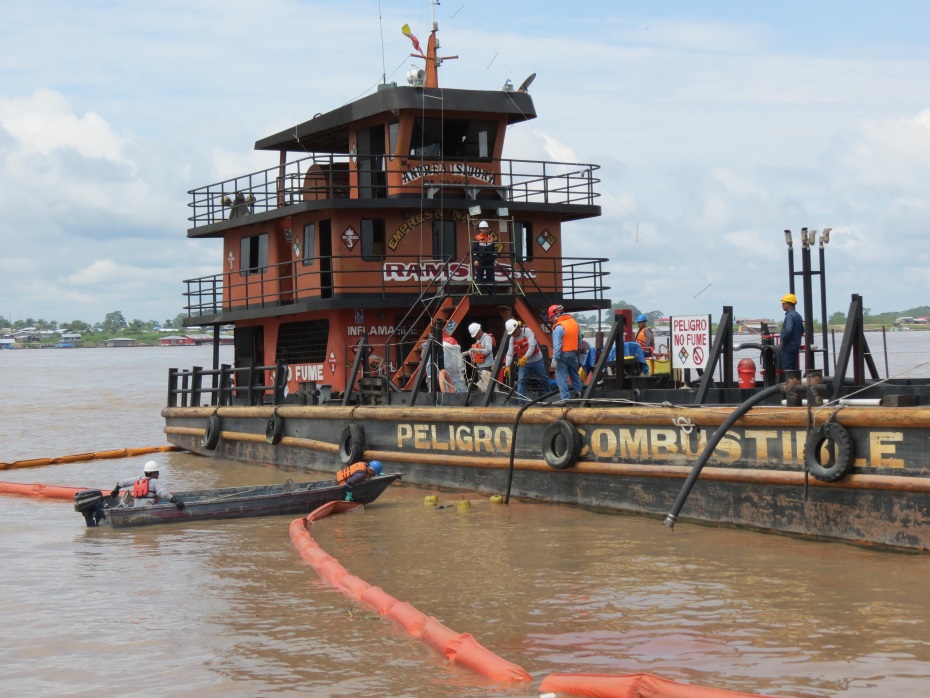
(36, 490)
(96, 455)
(458, 648)
(630, 686)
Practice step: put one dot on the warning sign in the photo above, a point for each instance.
(690, 341)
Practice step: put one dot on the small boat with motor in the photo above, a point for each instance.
(226, 503)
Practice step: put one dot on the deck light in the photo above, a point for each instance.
(474, 211)
(508, 86)
(416, 76)
(825, 236)
(788, 238)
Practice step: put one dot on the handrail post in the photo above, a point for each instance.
(172, 387)
(196, 384)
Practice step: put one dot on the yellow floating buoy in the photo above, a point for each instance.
(496, 499)
(430, 500)
(463, 504)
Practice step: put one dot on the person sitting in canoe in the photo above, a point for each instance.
(356, 473)
(147, 490)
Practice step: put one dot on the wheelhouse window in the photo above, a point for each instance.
(453, 138)
(523, 240)
(393, 131)
(373, 239)
(253, 254)
(444, 240)
(309, 244)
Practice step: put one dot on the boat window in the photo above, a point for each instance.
(372, 179)
(302, 342)
(523, 240)
(309, 246)
(373, 240)
(453, 138)
(444, 240)
(253, 254)
(393, 130)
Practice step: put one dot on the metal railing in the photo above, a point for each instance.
(326, 177)
(292, 282)
(227, 386)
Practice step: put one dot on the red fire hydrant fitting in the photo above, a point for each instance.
(746, 369)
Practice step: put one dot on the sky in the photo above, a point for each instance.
(716, 125)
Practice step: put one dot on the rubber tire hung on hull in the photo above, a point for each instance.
(843, 452)
(211, 435)
(351, 444)
(274, 430)
(561, 444)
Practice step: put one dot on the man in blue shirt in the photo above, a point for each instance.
(792, 331)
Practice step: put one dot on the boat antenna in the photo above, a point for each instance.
(381, 28)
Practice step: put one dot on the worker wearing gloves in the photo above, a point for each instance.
(147, 490)
(525, 351)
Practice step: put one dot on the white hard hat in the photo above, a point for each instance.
(483, 224)
(511, 326)
(150, 467)
(474, 328)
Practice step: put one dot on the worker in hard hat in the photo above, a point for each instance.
(567, 346)
(644, 336)
(481, 353)
(525, 352)
(147, 490)
(792, 332)
(483, 254)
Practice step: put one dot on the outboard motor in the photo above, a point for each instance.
(90, 504)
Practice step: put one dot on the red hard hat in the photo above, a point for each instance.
(555, 311)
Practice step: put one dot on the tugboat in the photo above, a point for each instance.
(347, 266)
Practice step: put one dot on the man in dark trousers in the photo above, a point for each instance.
(483, 255)
(792, 332)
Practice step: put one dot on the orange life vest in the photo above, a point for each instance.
(480, 353)
(521, 345)
(349, 471)
(570, 339)
(642, 341)
(140, 489)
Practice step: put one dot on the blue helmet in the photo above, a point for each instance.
(641, 318)
(376, 466)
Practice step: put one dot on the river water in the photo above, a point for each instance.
(229, 608)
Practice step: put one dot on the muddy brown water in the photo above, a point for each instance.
(229, 609)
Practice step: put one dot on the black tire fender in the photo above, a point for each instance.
(842, 453)
(351, 444)
(211, 435)
(274, 429)
(561, 444)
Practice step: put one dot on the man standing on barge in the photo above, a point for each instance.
(567, 344)
(792, 331)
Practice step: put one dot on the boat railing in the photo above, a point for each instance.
(327, 177)
(335, 277)
(227, 385)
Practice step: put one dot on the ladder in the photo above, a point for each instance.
(451, 311)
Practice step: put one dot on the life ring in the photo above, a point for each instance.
(842, 454)
(661, 354)
(351, 444)
(274, 429)
(211, 435)
(561, 444)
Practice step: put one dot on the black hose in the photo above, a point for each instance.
(513, 438)
(712, 444)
